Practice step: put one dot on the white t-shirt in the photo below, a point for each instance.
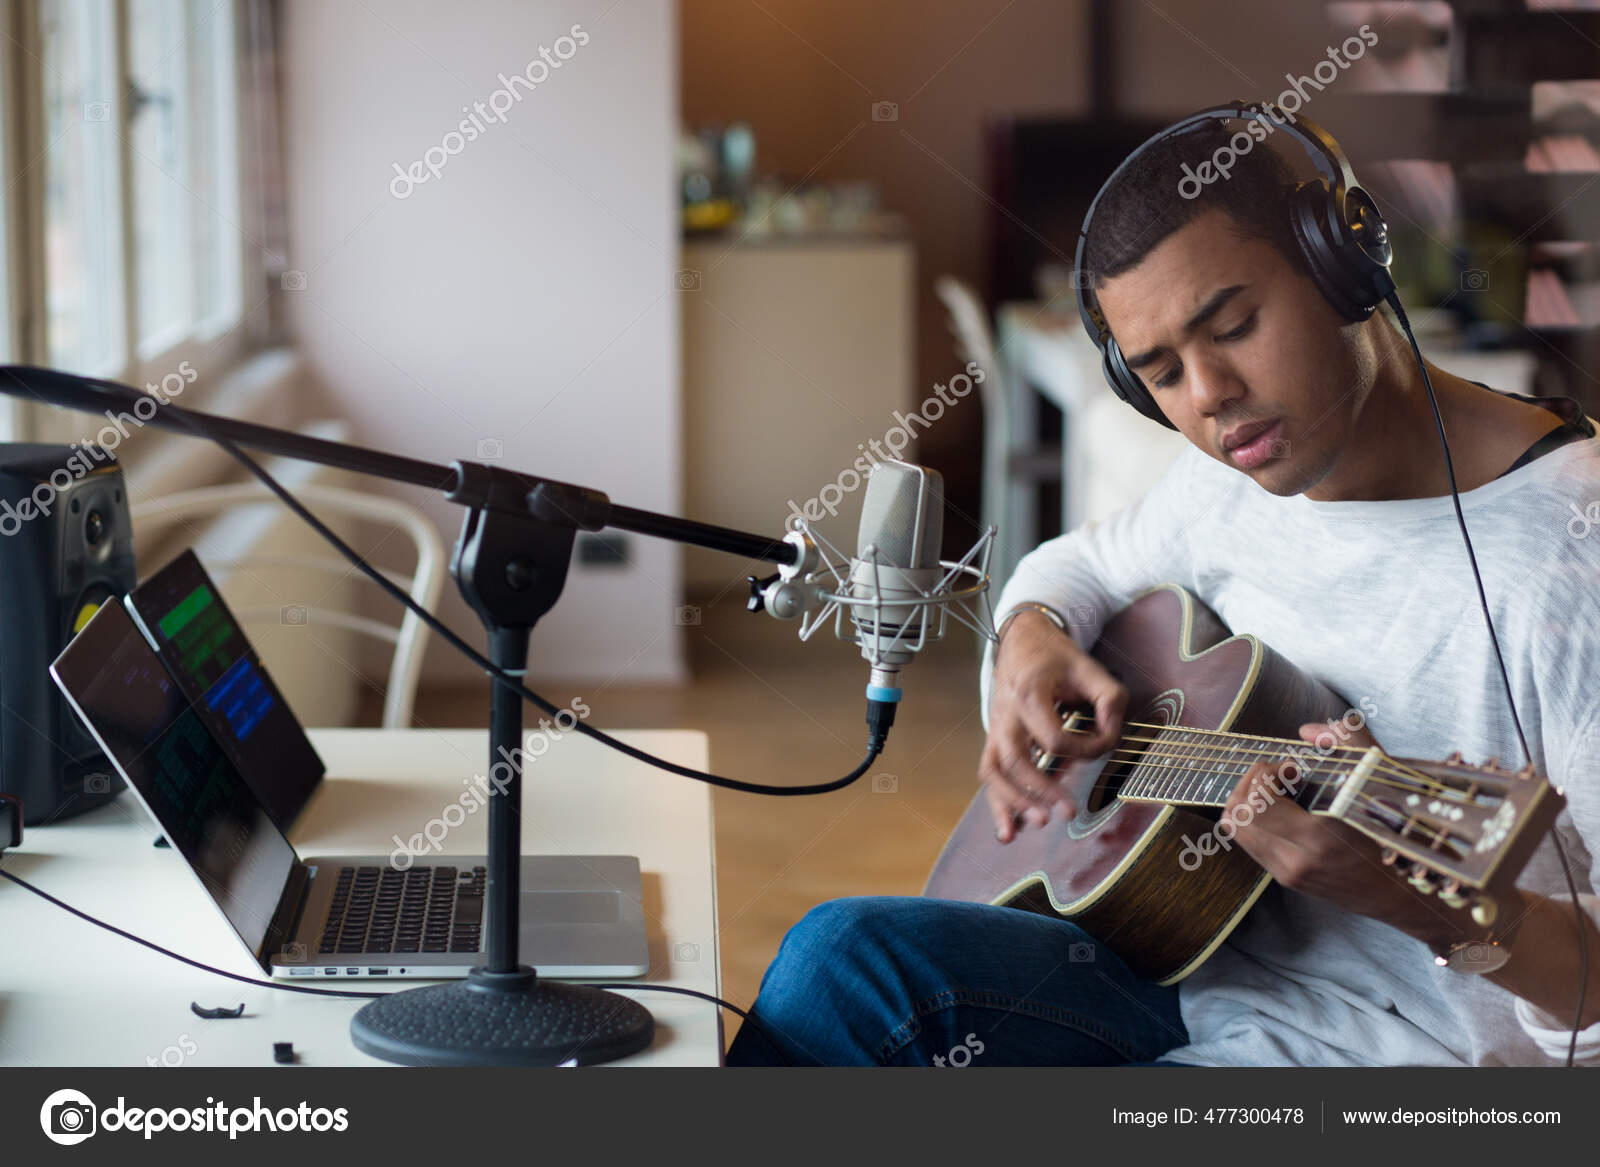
(1377, 601)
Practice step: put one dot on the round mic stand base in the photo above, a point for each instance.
(510, 569)
(502, 1019)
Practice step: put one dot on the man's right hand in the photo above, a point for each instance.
(1038, 667)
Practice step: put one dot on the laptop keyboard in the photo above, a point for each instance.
(421, 909)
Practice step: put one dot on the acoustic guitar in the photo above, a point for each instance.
(1148, 865)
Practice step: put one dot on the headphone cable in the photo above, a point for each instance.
(1393, 300)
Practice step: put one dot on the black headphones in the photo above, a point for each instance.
(1340, 231)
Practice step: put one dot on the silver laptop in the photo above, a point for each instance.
(346, 916)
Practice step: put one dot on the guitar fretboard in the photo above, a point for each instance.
(1200, 768)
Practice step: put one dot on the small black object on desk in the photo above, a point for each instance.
(219, 1014)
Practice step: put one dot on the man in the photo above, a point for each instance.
(1312, 510)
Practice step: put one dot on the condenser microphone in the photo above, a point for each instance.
(896, 588)
(896, 569)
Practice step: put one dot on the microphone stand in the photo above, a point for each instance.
(510, 563)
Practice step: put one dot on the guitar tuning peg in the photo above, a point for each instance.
(1389, 856)
(1493, 764)
(1420, 879)
(1454, 759)
(1484, 910)
(1450, 894)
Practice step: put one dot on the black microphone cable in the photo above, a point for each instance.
(1393, 299)
(877, 730)
(313, 992)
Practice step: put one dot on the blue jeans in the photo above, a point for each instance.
(908, 981)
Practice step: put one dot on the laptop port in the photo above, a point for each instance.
(377, 972)
(352, 972)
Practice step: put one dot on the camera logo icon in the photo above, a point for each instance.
(685, 952)
(295, 953)
(97, 111)
(885, 111)
(885, 783)
(1474, 279)
(1474, 955)
(294, 281)
(293, 615)
(687, 616)
(67, 1117)
(97, 784)
(688, 280)
(1081, 953)
(491, 449)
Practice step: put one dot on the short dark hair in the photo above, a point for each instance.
(1144, 205)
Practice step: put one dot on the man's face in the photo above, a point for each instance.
(1270, 381)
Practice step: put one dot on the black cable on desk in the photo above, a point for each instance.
(309, 991)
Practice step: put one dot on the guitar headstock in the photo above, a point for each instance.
(1461, 830)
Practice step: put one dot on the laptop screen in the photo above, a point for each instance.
(179, 770)
(207, 652)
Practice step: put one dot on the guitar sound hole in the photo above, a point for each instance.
(1113, 769)
(1119, 765)
(1106, 784)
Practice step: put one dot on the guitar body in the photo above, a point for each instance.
(1114, 869)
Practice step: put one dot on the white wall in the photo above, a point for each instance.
(525, 295)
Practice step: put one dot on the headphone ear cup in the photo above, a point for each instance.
(1336, 274)
(1125, 383)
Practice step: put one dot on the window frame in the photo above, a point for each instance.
(213, 351)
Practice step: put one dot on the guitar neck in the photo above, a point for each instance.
(1198, 767)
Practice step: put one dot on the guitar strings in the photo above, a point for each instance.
(1384, 773)
(1388, 764)
(1313, 776)
(1223, 733)
(1402, 778)
(1200, 753)
(1435, 838)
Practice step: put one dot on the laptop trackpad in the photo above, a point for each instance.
(571, 907)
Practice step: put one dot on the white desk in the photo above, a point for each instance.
(73, 994)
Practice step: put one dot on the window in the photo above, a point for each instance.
(83, 251)
(183, 140)
(143, 243)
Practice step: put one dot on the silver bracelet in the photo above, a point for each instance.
(1026, 606)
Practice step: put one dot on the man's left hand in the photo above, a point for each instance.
(1327, 858)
